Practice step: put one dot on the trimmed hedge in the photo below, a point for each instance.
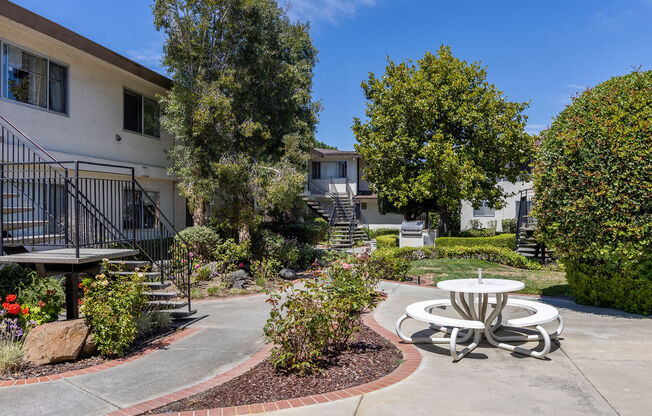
(383, 231)
(389, 264)
(387, 241)
(623, 286)
(503, 240)
(499, 255)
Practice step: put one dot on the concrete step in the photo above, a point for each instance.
(9, 196)
(127, 265)
(161, 295)
(18, 225)
(165, 305)
(16, 210)
(156, 285)
(148, 275)
(182, 314)
(31, 240)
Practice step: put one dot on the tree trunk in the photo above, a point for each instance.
(444, 221)
(243, 234)
(199, 212)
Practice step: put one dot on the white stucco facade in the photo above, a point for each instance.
(488, 218)
(92, 129)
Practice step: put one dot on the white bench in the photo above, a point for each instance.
(542, 314)
(421, 311)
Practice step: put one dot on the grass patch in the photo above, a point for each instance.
(537, 282)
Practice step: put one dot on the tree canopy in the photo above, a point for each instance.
(438, 132)
(242, 84)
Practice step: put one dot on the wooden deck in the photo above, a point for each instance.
(67, 256)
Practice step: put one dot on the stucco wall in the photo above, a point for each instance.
(507, 212)
(95, 117)
(376, 220)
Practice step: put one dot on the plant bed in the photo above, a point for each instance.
(368, 358)
(155, 339)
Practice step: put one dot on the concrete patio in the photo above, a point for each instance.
(601, 368)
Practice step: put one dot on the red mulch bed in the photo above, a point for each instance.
(369, 357)
(152, 340)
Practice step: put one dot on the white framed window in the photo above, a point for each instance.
(141, 114)
(33, 79)
(484, 211)
(341, 169)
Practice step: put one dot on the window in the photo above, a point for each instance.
(527, 208)
(484, 211)
(139, 212)
(341, 169)
(316, 170)
(363, 205)
(141, 114)
(34, 80)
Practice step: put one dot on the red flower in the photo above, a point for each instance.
(5, 305)
(48, 292)
(79, 301)
(25, 311)
(14, 309)
(41, 304)
(11, 298)
(80, 285)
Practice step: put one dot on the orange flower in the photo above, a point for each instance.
(11, 298)
(25, 311)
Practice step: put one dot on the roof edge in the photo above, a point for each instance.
(56, 31)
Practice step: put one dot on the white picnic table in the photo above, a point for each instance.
(481, 317)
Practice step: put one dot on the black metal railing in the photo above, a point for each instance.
(524, 218)
(76, 204)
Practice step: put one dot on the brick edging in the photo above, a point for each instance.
(164, 342)
(411, 357)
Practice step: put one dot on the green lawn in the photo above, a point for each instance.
(537, 282)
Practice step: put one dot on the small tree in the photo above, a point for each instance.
(438, 132)
(593, 186)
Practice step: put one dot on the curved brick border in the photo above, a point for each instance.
(164, 342)
(411, 362)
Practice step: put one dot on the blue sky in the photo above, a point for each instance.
(542, 52)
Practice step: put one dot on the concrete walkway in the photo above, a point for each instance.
(603, 367)
(231, 331)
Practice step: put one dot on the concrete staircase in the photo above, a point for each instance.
(156, 289)
(316, 207)
(339, 225)
(528, 245)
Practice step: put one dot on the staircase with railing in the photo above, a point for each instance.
(526, 223)
(50, 204)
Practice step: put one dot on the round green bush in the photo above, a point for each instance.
(387, 241)
(593, 187)
(202, 240)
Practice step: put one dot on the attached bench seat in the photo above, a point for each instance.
(421, 311)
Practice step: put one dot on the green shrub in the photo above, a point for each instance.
(626, 286)
(112, 304)
(503, 240)
(383, 231)
(509, 225)
(593, 186)
(152, 321)
(228, 255)
(44, 297)
(489, 253)
(290, 252)
(387, 241)
(389, 264)
(310, 232)
(307, 321)
(12, 276)
(264, 270)
(202, 241)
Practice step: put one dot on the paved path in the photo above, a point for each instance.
(603, 367)
(230, 333)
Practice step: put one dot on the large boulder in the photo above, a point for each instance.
(238, 279)
(55, 342)
(90, 347)
(287, 274)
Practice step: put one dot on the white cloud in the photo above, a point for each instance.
(328, 10)
(575, 87)
(149, 56)
(534, 128)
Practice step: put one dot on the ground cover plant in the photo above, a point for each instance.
(537, 282)
(593, 185)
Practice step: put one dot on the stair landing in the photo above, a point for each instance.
(67, 256)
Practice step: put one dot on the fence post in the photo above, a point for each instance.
(133, 200)
(66, 212)
(2, 203)
(77, 209)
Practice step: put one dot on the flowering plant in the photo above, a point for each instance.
(44, 298)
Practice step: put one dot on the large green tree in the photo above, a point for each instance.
(438, 132)
(242, 84)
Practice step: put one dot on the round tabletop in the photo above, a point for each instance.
(487, 285)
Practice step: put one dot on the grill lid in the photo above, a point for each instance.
(412, 227)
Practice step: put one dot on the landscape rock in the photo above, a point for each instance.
(238, 279)
(55, 342)
(287, 274)
(90, 347)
